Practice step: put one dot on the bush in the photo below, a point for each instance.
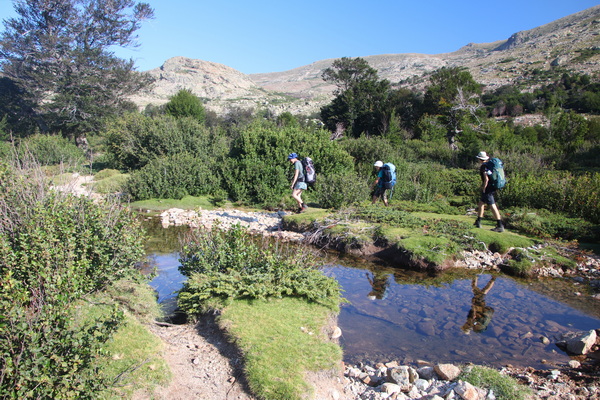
(135, 140)
(341, 189)
(51, 150)
(173, 177)
(556, 191)
(54, 250)
(260, 173)
(186, 104)
(226, 265)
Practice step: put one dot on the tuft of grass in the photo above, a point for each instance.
(504, 387)
(282, 340)
(433, 249)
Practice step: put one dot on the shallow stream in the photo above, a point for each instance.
(457, 317)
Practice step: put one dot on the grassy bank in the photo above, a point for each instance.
(282, 341)
(420, 239)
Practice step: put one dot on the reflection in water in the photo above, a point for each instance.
(423, 318)
(379, 283)
(480, 315)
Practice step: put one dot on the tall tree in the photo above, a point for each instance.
(186, 104)
(58, 52)
(361, 103)
(454, 96)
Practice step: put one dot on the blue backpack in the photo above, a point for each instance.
(388, 180)
(497, 178)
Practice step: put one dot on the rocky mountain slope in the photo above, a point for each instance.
(572, 43)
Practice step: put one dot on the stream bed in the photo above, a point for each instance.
(455, 317)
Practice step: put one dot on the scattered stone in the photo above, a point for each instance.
(390, 388)
(337, 332)
(447, 372)
(466, 391)
(544, 340)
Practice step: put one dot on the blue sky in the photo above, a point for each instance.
(255, 36)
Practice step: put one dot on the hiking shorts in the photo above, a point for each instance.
(487, 197)
(300, 186)
(379, 191)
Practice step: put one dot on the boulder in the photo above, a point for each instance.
(578, 343)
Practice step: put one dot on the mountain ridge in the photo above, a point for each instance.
(301, 90)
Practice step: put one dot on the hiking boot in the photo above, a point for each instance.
(477, 223)
(304, 207)
(499, 227)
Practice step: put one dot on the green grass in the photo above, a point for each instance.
(107, 182)
(275, 337)
(504, 387)
(437, 239)
(186, 203)
(434, 249)
(132, 360)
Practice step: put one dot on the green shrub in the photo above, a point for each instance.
(51, 150)
(504, 387)
(556, 191)
(226, 265)
(341, 189)
(135, 140)
(186, 104)
(259, 172)
(55, 249)
(173, 177)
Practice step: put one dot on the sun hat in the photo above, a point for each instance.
(482, 155)
(378, 164)
(292, 155)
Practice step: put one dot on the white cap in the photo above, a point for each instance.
(482, 155)
(378, 164)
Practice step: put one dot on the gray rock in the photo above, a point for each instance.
(403, 376)
(426, 373)
(578, 343)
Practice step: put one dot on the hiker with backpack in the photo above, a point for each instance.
(298, 181)
(386, 179)
(492, 179)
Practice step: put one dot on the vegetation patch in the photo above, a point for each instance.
(131, 360)
(272, 298)
(185, 203)
(504, 387)
(281, 339)
(109, 181)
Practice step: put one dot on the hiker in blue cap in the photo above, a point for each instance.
(298, 182)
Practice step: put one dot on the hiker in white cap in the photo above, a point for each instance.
(487, 194)
(377, 188)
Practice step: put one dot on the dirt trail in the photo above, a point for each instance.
(204, 365)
